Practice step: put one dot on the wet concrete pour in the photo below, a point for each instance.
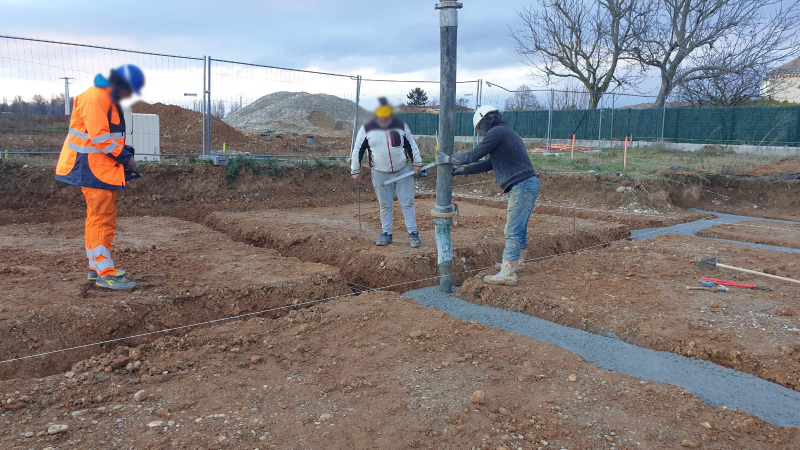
(692, 228)
(713, 384)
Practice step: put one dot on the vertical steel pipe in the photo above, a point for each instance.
(444, 210)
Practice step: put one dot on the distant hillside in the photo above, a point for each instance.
(297, 112)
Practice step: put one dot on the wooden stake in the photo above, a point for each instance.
(625, 157)
(573, 146)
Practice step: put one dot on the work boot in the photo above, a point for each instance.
(384, 240)
(116, 282)
(93, 274)
(523, 254)
(414, 238)
(507, 275)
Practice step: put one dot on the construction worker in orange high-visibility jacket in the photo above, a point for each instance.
(94, 156)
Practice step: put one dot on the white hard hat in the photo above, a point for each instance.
(480, 113)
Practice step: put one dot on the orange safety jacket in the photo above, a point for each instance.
(94, 153)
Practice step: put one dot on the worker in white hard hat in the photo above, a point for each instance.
(508, 157)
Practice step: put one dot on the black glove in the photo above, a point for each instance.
(459, 171)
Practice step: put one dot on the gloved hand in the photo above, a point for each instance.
(459, 171)
(442, 158)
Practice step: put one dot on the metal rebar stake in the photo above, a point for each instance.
(443, 211)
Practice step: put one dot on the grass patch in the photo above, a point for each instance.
(651, 162)
(237, 163)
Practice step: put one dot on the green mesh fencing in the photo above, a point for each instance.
(750, 125)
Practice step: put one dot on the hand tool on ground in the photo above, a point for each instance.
(392, 180)
(712, 262)
(735, 284)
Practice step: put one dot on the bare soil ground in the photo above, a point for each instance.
(782, 167)
(374, 371)
(637, 292)
(186, 273)
(330, 236)
(759, 232)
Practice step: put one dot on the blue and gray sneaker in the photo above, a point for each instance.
(116, 282)
(93, 275)
(414, 238)
(385, 239)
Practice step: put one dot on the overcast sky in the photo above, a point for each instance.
(373, 38)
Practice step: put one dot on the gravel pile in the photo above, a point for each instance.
(296, 112)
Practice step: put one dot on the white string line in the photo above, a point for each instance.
(310, 302)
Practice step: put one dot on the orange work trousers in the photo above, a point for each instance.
(101, 223)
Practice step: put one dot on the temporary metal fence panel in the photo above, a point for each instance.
(34, 74)
(263, 109)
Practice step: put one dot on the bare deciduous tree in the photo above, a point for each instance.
(726, 89)
(523, 99)
(688, 41)
(579, 39)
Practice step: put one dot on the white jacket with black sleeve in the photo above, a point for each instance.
(389, 148)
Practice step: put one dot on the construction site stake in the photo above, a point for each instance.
(443, 211)
(573, 147)
(625, 155)
(358, 195)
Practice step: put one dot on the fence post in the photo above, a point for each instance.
(203, 151)
(209, 109)
(550, 121)
(663, 119)
(67, 105)
(477, 105)
(611, 134)
(600, 122)
(355, 119)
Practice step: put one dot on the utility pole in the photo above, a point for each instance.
(443, 212)
(67, 105)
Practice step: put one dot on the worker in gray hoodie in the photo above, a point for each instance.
(513, 171)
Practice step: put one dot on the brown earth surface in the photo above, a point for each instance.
(374, 371)
(331, 236)
(759, 232)
(186, 273)
(782, 167)
(637, 292)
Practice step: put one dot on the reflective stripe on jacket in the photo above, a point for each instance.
(95, 140)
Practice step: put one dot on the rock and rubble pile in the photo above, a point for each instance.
(296, 112)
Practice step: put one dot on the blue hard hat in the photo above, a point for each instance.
(133, 75)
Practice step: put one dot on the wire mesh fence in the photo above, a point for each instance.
(210, 105)
(262, 109)
(39, 80)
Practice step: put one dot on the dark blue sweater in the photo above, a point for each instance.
(508, 157)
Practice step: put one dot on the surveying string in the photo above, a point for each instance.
(297, 305)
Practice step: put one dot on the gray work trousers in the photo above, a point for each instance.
(405, 195)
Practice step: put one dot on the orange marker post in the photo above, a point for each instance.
(625, 158)
(573, 146)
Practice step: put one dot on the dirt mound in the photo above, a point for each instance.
(297, 112)
(181, 129)
(783, 167)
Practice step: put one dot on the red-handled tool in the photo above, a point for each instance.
(735, 284)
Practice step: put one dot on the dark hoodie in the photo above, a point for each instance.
(508, 156)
